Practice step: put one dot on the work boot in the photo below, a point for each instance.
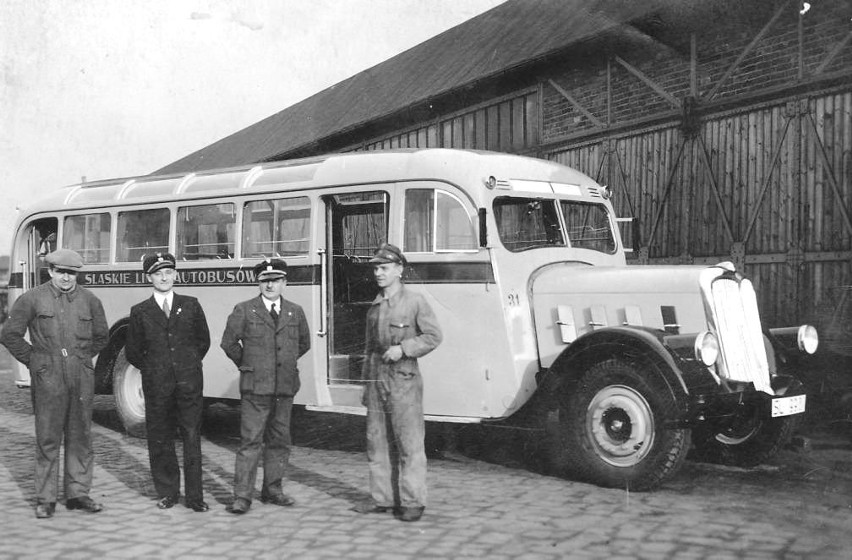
(410, 513)
(44, 510)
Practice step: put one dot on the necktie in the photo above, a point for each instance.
(274, 314)
(166, 309)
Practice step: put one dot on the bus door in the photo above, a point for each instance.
(33, 246)
(356, 226)
(29, 269)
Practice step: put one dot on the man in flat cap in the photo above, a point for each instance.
(265, 336)
(167, 338)
(67, 328)
(401, 327)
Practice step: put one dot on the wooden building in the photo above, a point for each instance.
(724, 126)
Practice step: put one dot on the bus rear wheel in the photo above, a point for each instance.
(129, 399)
(612, 428)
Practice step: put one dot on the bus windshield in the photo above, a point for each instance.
(529, 223)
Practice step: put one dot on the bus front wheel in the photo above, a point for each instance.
(748, 440)
(613, 427)
(129, 399)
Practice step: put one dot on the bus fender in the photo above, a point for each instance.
(629, 343)
(106, 358)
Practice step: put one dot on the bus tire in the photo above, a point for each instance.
(611, 427)
(750, 439)
(129, 399)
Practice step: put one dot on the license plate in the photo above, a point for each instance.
(785, 406)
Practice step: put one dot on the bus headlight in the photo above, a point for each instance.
(706, 348)
(807, 339)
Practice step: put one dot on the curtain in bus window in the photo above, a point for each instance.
(588, 226)
(276, 227)
(142, 232)
(88, 235)
(527, 223)
(206, 232)
(418, 220)
(362, 226)
(436, 221)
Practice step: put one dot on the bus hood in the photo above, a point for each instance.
(570, 301)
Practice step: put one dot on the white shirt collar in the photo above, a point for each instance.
(268, 304)
(160, 297)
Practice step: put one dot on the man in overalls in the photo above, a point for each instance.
(401, 327)
(67, 328)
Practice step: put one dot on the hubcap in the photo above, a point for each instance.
(744, 427)
(620, 425)
(132, 388)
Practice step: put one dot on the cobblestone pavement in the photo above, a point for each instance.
(799, 508)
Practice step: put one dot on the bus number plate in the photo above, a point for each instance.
(786, 406)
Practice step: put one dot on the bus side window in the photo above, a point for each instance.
(453, 225)
(88, 234)
(419, 218)
(206, 232)
(436, 221)
(142, 232)
(276, 227)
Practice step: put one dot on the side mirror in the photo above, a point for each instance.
(629, 235)
(483, 231)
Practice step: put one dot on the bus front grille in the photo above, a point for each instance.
(743, 354)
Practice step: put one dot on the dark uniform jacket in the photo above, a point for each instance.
(266, 356)
(168, 352)
(56, 337)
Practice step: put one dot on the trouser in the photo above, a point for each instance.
(62, 402)
(395, 441)
(264, 430)
(182, 411)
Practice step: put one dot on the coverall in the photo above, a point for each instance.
(67, 330)
(394, 397)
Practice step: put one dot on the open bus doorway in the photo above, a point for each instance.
(28, 269)
(32, 247)
(357, 226)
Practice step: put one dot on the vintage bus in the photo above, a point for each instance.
(520, 258)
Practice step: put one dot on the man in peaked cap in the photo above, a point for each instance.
(401, 327)
(67, 328)
(167, 337)
(265, 336)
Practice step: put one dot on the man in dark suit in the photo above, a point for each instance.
(265, 336)
(166, 339)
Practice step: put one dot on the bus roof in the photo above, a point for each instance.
(460, 167)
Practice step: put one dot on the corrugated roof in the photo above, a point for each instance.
(504, 38)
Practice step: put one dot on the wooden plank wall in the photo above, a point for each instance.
(752, 186)
(508, 124)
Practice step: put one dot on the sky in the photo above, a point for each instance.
(116, 88)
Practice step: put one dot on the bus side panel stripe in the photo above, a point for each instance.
(307, 275)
